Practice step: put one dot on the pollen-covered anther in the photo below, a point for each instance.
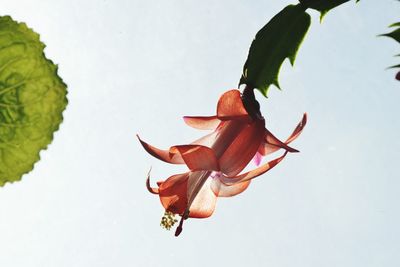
(168, 220)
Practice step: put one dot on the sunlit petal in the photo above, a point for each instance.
(173, 193)
(207, 140)
(149, 188)
(242, 149)
(204, 204)
(202, 123)
(273, 144)
(257, 158)
(198, 157)
(164, 155)
(232, 180)
(297, 131)
(230, 106)
(222, 190)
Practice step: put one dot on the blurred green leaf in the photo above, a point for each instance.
(32, 98)
(276, 41)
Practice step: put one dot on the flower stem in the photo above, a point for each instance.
(250, 103)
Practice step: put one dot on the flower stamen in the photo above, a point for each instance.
(168, 220)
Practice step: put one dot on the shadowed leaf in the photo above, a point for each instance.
(323, 6)
(276, 41)
(394, 34)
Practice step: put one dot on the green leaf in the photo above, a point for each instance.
(394, 34)
(276, 41)
(394, 67)
(32, 99)
(397, 24)
(323, 6)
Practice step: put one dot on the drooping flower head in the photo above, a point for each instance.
(215, 161)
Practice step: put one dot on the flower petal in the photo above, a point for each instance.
(196, 181)
(149, 188)
(297, 131)
(257, 158)
(173, 193)
(202, 123)
(197, 157)
(180, 192)
(222, 190)
(273, 144)
(230, 106)
(242, 149)
(232, 180)
(204, 204)
(165, 155)
(220, 139)
(207, 140)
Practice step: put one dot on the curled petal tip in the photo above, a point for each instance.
(276, 143)
(149, 188)
(304, 120)
(164, 155)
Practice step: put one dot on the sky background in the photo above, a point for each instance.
(138, 67)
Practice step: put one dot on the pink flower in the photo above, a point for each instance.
(216, 160)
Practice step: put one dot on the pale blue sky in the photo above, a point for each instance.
(138, 67)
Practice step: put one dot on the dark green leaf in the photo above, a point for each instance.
(394, 67)
(394, 34)
(276, 41)
(397, 24)
(323, 6)
(32, 98)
